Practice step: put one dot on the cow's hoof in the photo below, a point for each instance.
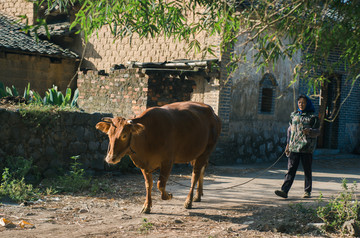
(145, 210)
(170, 196)
(166, 196)
(188, 205)
(197, 199)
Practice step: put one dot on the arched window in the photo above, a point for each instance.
(267, 91)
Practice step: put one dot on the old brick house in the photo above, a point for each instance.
(254, 107)
(24, 60)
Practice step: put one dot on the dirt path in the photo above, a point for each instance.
(251, 210)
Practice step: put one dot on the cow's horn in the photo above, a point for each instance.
(106, 119)
(129, 121)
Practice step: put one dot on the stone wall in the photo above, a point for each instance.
(51, 140)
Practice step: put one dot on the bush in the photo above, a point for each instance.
(16, 189)
(75, 180)
(343, 208)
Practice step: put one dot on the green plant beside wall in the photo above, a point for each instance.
(6, 91)
(35, 115)
(14, 170)
(16, 189)
(52, 96)
(75, 180)
(341, 209)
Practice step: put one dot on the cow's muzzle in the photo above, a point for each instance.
(111, 159)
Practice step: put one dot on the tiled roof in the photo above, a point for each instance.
(13, 39)
(57, 29)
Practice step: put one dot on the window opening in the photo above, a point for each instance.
(267, 94)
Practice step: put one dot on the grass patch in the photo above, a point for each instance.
(145, 227)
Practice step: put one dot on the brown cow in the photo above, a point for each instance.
(180, 132)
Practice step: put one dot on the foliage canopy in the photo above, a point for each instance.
(276, 28)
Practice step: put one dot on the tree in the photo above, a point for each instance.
(276, 28)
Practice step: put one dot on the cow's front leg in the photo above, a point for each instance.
(161, 184)
(148, 185)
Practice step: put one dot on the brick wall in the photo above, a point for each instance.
(122, 92)
(17, 7)
(167, 88)
(344, 133)
(102, 52)
(128, 92)
(349, 117)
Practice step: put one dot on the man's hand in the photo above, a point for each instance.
(287, 151)
(307, 131)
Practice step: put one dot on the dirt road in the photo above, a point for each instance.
(251, 210)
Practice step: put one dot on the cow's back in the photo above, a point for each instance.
(182, 131)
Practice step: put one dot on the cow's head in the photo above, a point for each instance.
(120, 133)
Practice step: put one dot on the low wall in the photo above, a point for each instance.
(51, 141)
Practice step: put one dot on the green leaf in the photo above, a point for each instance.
(27, 92)
(9, 91)
(67, 98)
(75, 98)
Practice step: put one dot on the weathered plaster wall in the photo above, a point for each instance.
(254, 136)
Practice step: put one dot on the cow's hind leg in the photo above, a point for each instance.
(199, 191)
(148, 185)
(198, 165)
(164, 176)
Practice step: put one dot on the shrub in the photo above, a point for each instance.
(345, 207)
(75, 180)
(16, 189)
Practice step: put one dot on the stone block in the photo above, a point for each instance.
(94, 146)
(77, 148)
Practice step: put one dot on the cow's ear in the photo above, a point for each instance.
(137, 128)
(103, 126)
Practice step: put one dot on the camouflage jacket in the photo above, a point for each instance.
(299, 142)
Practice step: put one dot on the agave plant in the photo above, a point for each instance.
(6, 91)
(52, 96)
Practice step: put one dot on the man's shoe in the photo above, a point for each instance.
(307, 195)
(281, 193)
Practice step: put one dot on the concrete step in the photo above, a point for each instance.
(326, 152)
(333, 154)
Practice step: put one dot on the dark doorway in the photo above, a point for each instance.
(329, 108)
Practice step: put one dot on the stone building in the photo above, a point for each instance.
(254, 107)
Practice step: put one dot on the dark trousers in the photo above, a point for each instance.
(293, 164)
